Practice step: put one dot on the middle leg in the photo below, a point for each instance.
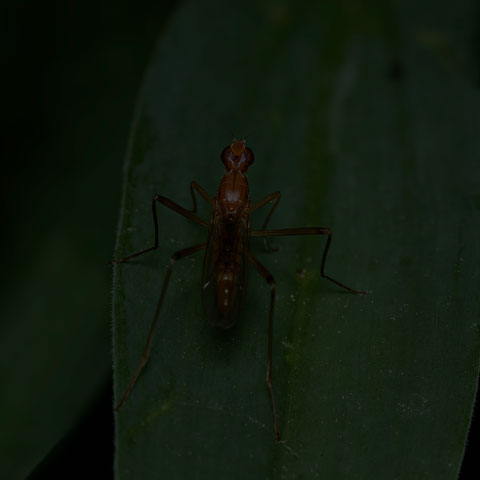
(309, 231)
(173, 206)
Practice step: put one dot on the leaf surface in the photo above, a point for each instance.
(366, 118)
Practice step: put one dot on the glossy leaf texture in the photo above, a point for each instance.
(365, 116)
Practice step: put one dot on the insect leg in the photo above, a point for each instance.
(309, 231)
(170, 204)
(182, 211)
(273, 197)
(271, 282)
(195, 186)
(146, 352)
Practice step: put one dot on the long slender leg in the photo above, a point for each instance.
(271, 282)
(309, 231)
(182, 211)
(146, 352)
(172, 205)
(203, 193)
(273, 197)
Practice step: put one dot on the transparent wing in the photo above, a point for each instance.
(225, 269)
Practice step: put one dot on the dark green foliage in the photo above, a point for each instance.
(366, 119)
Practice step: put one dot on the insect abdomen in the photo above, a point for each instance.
(225, 291)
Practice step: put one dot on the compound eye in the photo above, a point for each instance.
(226, 153)
(249, 156)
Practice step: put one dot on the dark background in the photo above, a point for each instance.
(71, 75)
(71, 78)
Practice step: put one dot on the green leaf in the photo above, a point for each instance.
(366, 118)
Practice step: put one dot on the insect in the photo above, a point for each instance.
(227, 255)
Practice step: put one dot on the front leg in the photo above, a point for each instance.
(273, 197)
